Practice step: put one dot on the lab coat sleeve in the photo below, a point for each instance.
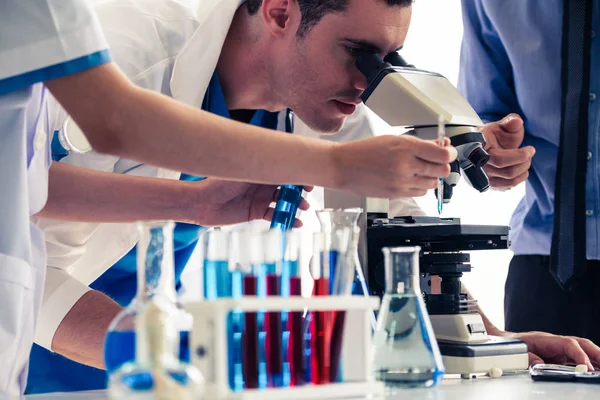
(46, 39)
(61, 293)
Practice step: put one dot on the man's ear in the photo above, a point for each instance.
(280, 16)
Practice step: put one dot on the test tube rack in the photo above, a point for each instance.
(208, 346)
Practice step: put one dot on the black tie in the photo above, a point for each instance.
(568, 257)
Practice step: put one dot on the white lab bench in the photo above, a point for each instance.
(506, 387)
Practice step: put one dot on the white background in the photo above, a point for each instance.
(433, 44)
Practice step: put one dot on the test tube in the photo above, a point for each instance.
(286, 207)
(224, 280)
(293, 335)
(245, 256)
(272, 247)
(341, 245)
(320, 320)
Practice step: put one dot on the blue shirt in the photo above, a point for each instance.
(51, 372)
(511, 62)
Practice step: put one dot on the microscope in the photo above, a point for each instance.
(404, 96)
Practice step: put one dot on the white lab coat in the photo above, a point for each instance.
(167, 46)
(33, 35)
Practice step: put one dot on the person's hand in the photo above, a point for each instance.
(220, 202)
(392, 166)
(554, 349)
(509, 164)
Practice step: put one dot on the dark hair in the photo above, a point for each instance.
(313, 10)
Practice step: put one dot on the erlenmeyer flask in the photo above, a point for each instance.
(156, 372)
(405, 350)
(155, 276)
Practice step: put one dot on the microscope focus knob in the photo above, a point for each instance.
(479, 157)
(478, 178)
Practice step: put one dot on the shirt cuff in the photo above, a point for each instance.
(61, 293)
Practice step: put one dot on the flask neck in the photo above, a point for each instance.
(401, 270)
(157, 339)
(331, 219)
(155, 265)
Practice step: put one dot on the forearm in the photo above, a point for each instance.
(121, 119)
(80, 336)
(85, 195)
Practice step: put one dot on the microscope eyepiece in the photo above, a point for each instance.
(370, 64)
(397, 60)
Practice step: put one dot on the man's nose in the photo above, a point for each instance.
(359, 81)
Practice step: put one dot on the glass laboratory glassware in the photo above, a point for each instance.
(223, 278)
(293, 335)
(246, 256)
(348, 217)
(278, 371)
(155, 277)
(156, 372)
(286, 207)
(406, 353)
(320, 321)
(329, 255)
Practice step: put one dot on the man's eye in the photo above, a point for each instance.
(354, 51)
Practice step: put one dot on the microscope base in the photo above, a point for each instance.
(472, 358)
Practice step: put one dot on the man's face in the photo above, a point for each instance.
(316, 75)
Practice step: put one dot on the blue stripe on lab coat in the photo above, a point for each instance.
(55, 71)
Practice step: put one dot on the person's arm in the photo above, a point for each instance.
(80, 336)
(85, 195)
(122, 119)
(487, 82)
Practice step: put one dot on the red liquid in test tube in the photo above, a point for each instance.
(296, 346)
(336, 343)
(274, 341)
(321, 332)
(250, 338)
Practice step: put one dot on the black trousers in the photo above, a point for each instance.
(534, 302)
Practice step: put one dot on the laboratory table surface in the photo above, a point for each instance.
(506, 387)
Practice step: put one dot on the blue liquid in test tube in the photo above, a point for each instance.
(219, 282)
(286, 207)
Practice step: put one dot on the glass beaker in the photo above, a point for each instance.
(156, 371)
(155, 276)
(406, 353)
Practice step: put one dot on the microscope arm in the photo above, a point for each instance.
(414, 99)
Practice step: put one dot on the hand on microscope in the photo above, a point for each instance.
(509, 163)
(394, 166)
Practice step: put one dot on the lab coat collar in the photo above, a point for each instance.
(198, 59)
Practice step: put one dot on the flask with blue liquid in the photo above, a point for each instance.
(149, 366)
(406, 353)
(155, 277)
